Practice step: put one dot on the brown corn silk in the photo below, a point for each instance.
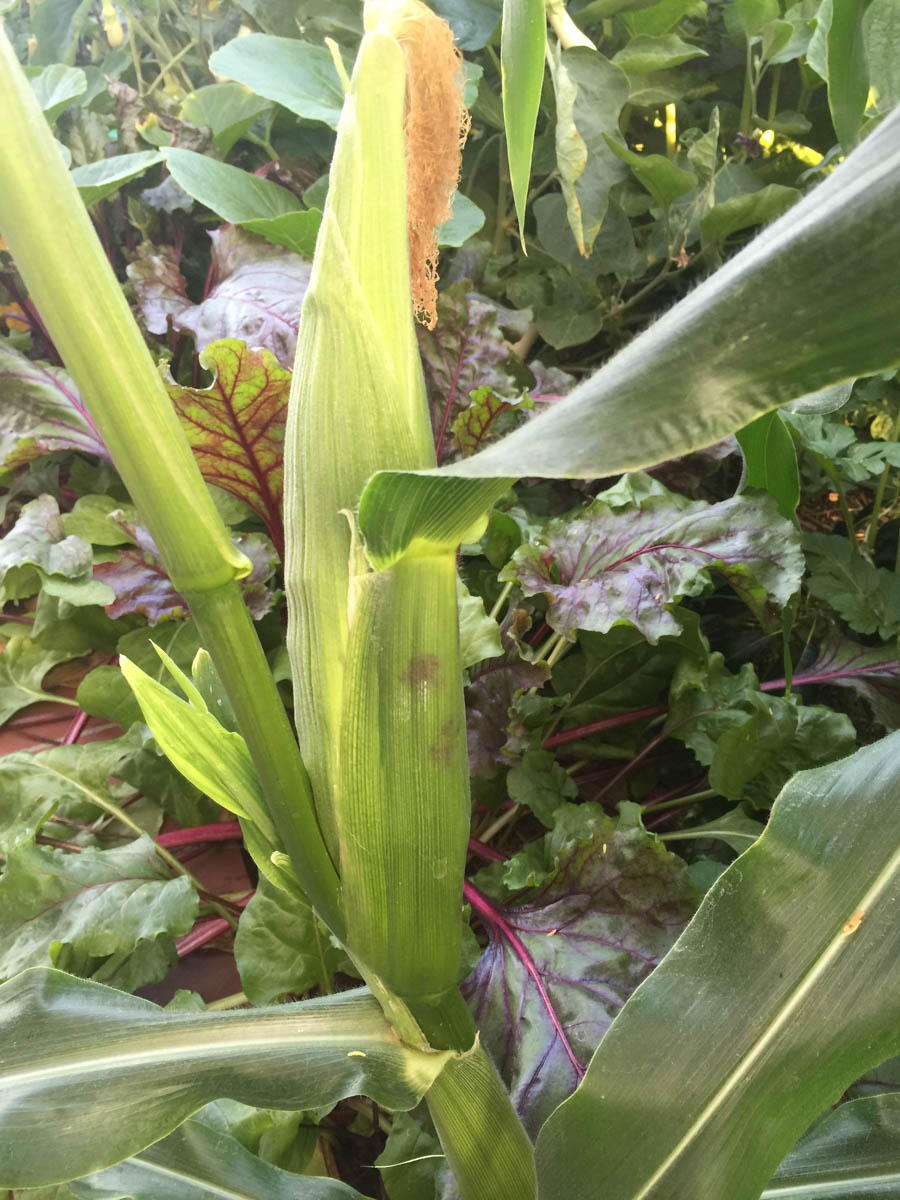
(435, 129)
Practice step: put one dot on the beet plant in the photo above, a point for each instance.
(780, 991)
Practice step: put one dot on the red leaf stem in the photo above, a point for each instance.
(571, 735)
(222, 831)
(655, 710)
(493, 917)
(535, 638)
(642, 754)
(202, 933)
(76, 729)
(485, 851)
(207, 929)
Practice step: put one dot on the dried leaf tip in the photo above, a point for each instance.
(435, 128)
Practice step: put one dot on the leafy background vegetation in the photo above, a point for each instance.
(648, 659)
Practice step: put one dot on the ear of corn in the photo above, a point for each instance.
(403, 797)
(357, 398)
(375, 655)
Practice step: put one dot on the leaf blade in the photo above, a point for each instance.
(633, 412)
(522, 43)
(84, 1054)
(198, 1163)
(809, 925)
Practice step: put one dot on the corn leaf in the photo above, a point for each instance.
(490, 1155)
(789, 970)
(210, 757)
(715, 362)
(852, 1154)
(522, 44)
(357, 396)
(403, 804)
(198, 1163)
(81, 1057)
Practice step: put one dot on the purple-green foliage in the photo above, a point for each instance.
(41, 411)
(604, 565)
(562, 962)
(256, 296)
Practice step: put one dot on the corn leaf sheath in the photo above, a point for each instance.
(374, 654)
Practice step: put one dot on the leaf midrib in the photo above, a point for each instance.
(836, 1186)
(174, 1049)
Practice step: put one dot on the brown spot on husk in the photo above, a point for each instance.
(444, 750)
(422, 670)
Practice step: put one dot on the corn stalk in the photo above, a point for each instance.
(60, 258)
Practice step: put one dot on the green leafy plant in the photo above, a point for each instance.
(605, 995)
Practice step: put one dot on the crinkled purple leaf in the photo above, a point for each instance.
(628, 564)
(490, 697)
(36, 554)
(559, 967)
(40, 411)
(159, 287)
(256, 299)
(258, 596)
(466, 350)
(873, 672)
(140, 583)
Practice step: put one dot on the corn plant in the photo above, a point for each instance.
(366, 820)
